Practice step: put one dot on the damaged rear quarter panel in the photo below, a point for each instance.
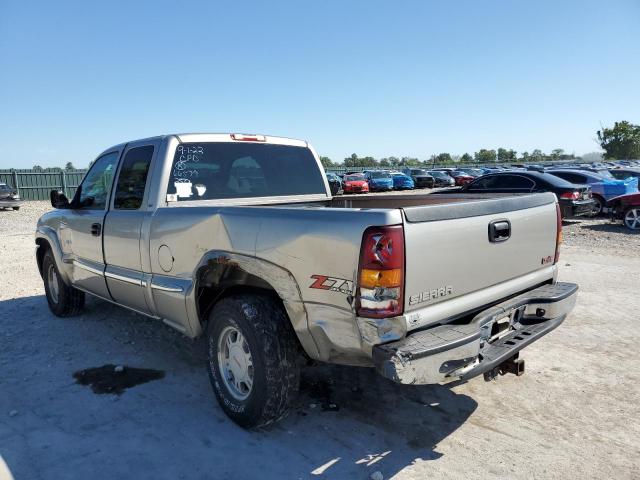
(304, 241)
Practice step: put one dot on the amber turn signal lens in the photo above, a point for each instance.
(380, 278)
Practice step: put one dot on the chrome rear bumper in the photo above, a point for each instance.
(449, 352)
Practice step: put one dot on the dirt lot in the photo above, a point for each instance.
(575, 414)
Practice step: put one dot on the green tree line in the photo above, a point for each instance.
(621, 142)
(501, 155)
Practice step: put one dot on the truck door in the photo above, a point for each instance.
(82, 234)
(124, 249)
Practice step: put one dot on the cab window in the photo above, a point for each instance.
(133, 178)
(93, 192)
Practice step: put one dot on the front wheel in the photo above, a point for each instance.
(63, 299)
(631, 218)
(16, 208)
(253, 359)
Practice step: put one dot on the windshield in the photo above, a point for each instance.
(353, 178)
(438, 174)
(216, 170)
(380, 175)
(418, 172)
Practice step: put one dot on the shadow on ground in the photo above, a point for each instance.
(611, 228)
(347, 423)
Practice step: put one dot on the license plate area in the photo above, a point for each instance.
(502, 325)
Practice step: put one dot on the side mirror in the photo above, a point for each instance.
(58, 199)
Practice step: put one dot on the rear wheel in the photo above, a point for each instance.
(598, 205)
(631, 218)
(63, 299)
(253, 359)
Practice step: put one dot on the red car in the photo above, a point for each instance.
(461, 178)
(355, 184)
(627, 209)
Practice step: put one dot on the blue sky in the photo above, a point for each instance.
(380, 78)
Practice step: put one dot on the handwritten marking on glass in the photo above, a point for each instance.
(187, 156)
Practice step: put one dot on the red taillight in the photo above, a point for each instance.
(381, 272)
(241, 137)
(558, 232)
(570, 195)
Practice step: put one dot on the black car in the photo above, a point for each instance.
(441, 179)
(574, 200)
(335, 184)
(9, 197)
(421, 179)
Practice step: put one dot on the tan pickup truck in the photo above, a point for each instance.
(237, 237)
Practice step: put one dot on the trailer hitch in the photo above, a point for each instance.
(514, 365)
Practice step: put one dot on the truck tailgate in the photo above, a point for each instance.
(450, 253)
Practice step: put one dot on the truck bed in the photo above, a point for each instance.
(426, 199)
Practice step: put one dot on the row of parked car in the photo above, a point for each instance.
(386, 180)
(582, 190)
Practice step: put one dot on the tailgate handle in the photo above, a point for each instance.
(499, 231)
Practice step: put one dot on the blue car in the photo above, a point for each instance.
(379, 181)
(402, 181)
(603, 188)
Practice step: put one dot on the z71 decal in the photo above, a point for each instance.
(324, 282)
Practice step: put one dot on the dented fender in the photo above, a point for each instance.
(278, 278)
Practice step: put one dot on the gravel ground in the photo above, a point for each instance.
(602, 235)
(573, 415)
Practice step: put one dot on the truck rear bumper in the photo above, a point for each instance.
(449, 352)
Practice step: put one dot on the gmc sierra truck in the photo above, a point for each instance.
(237, 237)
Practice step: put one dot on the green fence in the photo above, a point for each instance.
(37, 184)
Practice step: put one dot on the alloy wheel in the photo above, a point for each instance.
(52, 281)
(235, 363)
(632, 218)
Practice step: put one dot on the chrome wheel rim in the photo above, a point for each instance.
(54, 286)
(597, 207)
(632, 219)
(235, 363)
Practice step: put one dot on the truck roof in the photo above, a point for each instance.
(220, 137)
(240, 137)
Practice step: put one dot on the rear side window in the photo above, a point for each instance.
(133, 178)
(516, 181)
(216, 170)
(572, 177)
(485, 183)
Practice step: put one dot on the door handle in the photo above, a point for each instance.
(96, 229)
(499, 231)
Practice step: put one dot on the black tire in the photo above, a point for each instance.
(16, 208)
(598, 205)
(68, 301)
(275, 356)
